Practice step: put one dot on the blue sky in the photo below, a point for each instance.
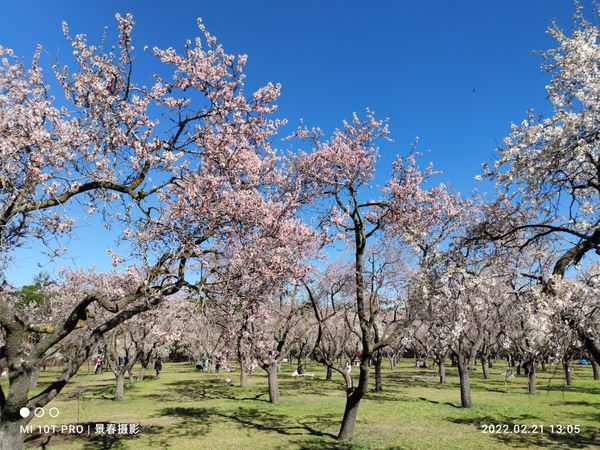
(456, 74)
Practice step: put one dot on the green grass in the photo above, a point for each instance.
(188, 409)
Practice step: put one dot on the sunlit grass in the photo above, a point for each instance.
(188, 409)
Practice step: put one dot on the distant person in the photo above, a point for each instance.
(158, 365)
(44, 364)
(98, 361)
(218, 364)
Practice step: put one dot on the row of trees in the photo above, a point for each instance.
(181, 166)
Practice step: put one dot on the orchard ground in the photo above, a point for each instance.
(189, 409)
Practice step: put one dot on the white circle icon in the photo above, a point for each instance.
(39, 412)
(53, 412)
(24, 412)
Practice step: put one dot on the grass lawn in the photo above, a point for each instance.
(188, 409)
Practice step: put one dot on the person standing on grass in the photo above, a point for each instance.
(98, 362)
(218, 364)
(158, 365)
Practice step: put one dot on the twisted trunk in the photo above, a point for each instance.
(353, 398)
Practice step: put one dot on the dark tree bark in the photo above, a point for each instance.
(142, 372)
(353, 398)
(465, 383)
(441, 369)
(377, 360)
(485, 367)
(131, 377)
(531, 372)
(328, 373)
(568, 371)
(11, 437)
(120, 386)
(392, 361)
(273, 383)
(35, 377)
(595, 370)
(243, 373)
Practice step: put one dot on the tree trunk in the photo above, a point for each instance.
(142, 373)
(518, 365)
(465, 384)
(328, 373)
(485, 367)
(543, 363)
(353, 400)
(441, 370)
(11, 437)
(243, 376)
(131, 377)
(378, 381)
(531, 378)
(596, 370)
(35, 376)
(120, 387)
(568, 372)
(273, 383)
(19, 375)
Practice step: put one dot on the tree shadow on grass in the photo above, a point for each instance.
(590, 390)
(387, 396)
(402, 380)
(208, 390)
(435, 402)
(310, 386)
(577, 403)
(260, 420)
(323, 444)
